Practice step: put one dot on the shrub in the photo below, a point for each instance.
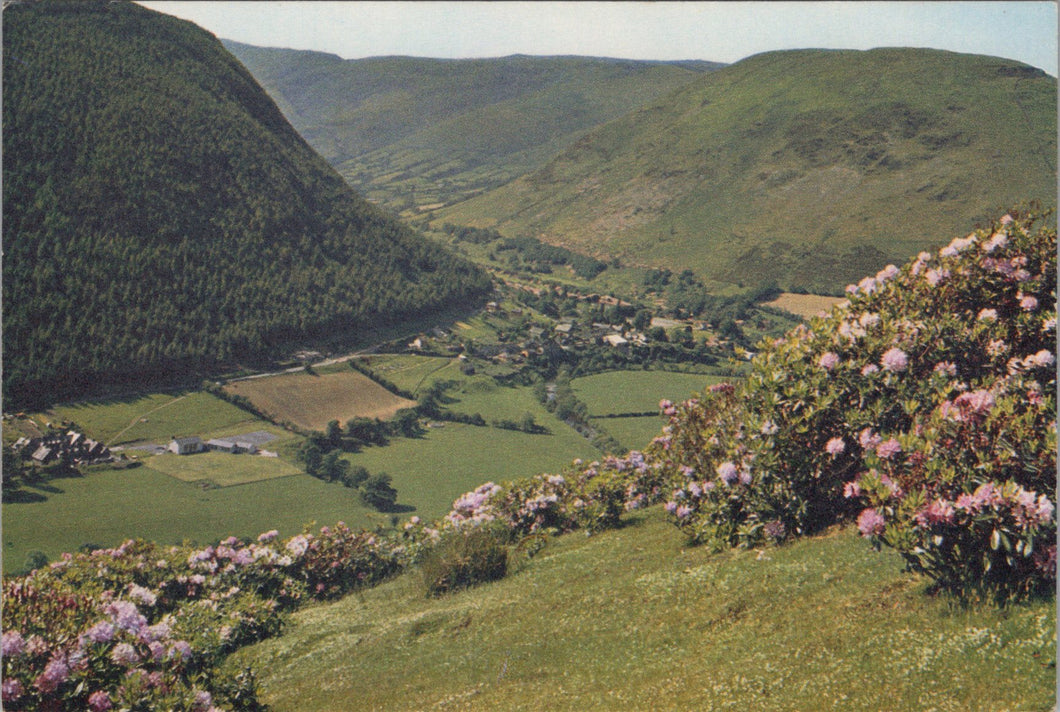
(926, 403)
(464, 558)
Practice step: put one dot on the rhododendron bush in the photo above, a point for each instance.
(142, 626)
(924, 406)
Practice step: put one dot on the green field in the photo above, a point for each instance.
(637, 391)
(108, 507)
(634, 619)
(633, 433)
(430, 472)
(409, 372)
(157, 417)
(221, 468)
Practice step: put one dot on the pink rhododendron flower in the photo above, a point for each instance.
(835, 446)
(946, 368)
(888, 449)
(125, 654)
(867, 285)
(1028, 302)
(998, 239)
(871, 523)
(869, 440)
(987, 315)
(1042, 359)
(851, 490)
(938, 512)
(869, 369)
(12, 690)
(727, 472)
(1006, 219)
(268, 536)
(12, 644)
(935, 277)
(997, 347)
(894, 359)
(828, 361)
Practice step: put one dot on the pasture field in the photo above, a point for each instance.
(804, 305)
(311, 401)
(221, 468)
(617, 392)
(107, 507)
(156, 417)
(634, 619)
(633, 433)
(431, 471)
(410, 372)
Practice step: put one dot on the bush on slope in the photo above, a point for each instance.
(925, 405)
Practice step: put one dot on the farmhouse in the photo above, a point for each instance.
(186, 446)
(615, 340)
(231, 445)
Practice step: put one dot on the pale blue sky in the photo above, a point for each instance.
(718, 31)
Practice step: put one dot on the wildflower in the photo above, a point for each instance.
(102, 632)
(12, 690)
(851, 490)
(871, 523)
(727, 472)
(1028, 303)
(1042, 359)
(869, 369)
(938, 512)
(55, 674)
(987, 315)
(12, 644)
(769, 428)
(997, 347)
(888, 449)
(125, 654)
(828, 361)
(268, 536)
(835, 447)
(298, 545)
(894, 359)
(946, 368)
(869, 440)
(142, 595)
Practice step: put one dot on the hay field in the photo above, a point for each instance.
(804, 305)
(311, 401)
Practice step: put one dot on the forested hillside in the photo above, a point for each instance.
(413, 132)
(808, 168)
(162, 218)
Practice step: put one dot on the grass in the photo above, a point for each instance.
(311, 401)
(430, 472)
(633, 619)
(108, 507)
(409, 372)
(221, 468)
(156, 417)
(617, 392)
(634, 433)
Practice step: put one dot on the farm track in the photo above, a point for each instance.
(140, 417)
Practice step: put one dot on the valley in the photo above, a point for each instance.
(522, 383)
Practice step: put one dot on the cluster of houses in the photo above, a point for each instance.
(193, 444)
(71, 447)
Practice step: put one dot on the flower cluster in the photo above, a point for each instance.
(931, 383)
(141, 626)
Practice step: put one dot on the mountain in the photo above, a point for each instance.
(162, 219)
(809, 168)
(411, 132)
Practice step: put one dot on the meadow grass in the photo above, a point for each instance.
(410, 372)
(431, 471)
(311, 401)
(223, 469)
(156, 417)
(107, 507)
(616, 392)
(634, 619)
(634, 433)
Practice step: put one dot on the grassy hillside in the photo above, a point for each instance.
(411, 132)
(821, 624)
(810, 168)
(163, 219)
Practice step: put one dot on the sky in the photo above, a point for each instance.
(716, 31)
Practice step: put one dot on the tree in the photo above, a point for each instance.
(377, 492)
(312, 456)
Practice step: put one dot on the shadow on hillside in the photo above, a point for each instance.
(397, 509)
(21, 496)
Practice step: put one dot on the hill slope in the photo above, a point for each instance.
(810, 167)
(162, 218)
(411, 132)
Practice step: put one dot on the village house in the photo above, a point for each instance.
(186, 446)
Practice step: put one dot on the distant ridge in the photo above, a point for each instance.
(808, 168)
(163, 220)
(411, 132)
